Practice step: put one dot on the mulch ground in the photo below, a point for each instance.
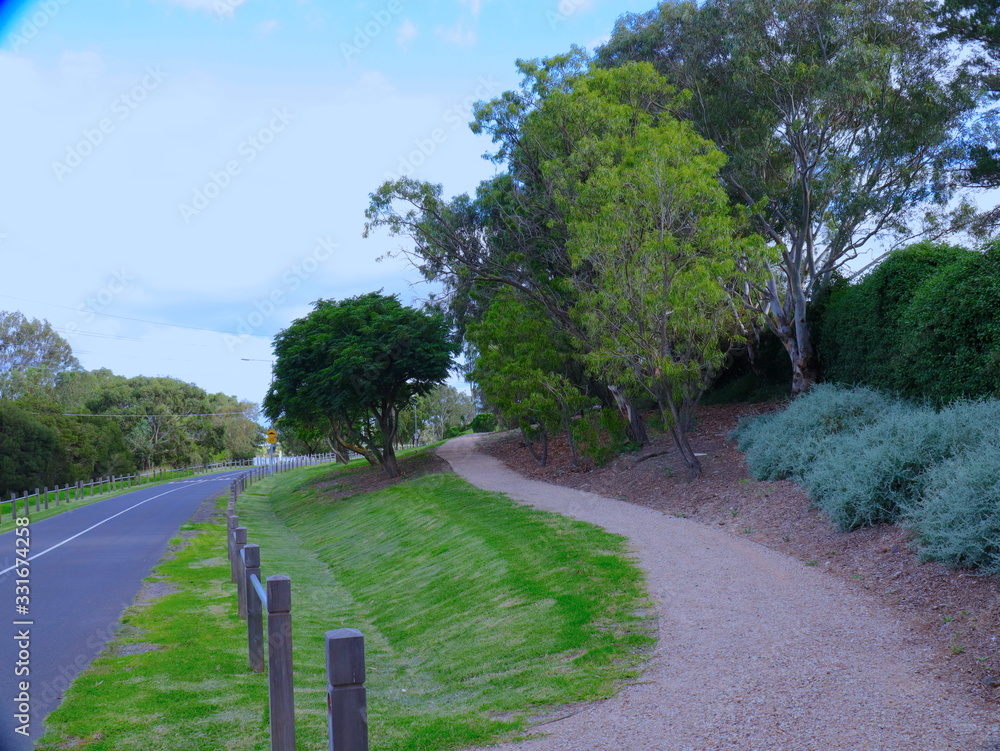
(955, 613)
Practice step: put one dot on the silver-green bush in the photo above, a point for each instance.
(786, 443)
(867, 459)
(958, 518)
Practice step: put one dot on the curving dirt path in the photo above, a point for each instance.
(756, 651)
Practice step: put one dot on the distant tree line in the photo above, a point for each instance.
(157, 422)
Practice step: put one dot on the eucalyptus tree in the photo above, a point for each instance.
(32, 355)
(836, 117)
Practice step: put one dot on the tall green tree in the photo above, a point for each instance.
(30, 453)
(521, 370)
(356, 364)
(836, 118)
(32, 355)
(647, 216)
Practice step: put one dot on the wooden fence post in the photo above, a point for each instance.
(346, 698)
(279, 662)
(241, 578)
(232, 523)
(255, 609)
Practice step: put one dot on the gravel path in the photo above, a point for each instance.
(756, 651)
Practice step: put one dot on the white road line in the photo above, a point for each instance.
(88, 529)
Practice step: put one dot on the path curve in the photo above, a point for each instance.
(756, 651)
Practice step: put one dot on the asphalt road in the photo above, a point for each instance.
(84, 568)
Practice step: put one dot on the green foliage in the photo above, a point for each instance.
(952, 347)
(439, 412)
(524, 369)
(30, 453)
(836, 118)
(454, 431)
(354, 365)
(863, 336)
(484, 422)
(94, 446)
(32, 356)
(601, 435)
(651, 226)
(155, 428)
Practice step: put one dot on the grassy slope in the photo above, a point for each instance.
(476, 612)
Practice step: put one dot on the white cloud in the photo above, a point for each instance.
(406, 34)
(223, 8)
(464, 33)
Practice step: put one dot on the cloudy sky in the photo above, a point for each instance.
(180, 179)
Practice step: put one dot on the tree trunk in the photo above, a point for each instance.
(636, 425)
(542, 458)
(680, 421)
(795, 335)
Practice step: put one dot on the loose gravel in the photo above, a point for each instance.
(756, 651)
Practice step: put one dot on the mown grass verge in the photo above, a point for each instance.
(478, 614)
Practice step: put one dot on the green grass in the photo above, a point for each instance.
(478, 614)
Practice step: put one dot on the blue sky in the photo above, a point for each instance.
(206, 163)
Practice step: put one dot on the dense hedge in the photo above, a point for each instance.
(868, 458)
(30, 453)
(952, 324)
(867, 333)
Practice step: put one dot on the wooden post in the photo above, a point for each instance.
(279, 662)
(346, 698)
(241, 577)
(255, 609)
(38, 498)
(232, 523)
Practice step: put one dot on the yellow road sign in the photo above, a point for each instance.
(272, 436)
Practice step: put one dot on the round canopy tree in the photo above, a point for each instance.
(355, 364)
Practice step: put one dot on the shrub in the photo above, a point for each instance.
(484, 422)
(873, 475)
(453, 431)
(600, 435)
(786, 443)
(952, 347)
(958, 519)
(861, 336)
(30, 453)
(868, 459)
